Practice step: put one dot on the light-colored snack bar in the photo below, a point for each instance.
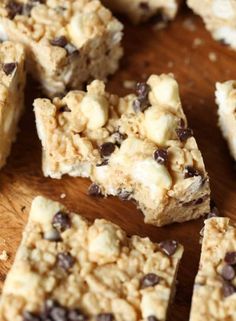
(214, 296)
(137, 147)
(12, 83)
(226, 101)
(68, 42)
(69, 269)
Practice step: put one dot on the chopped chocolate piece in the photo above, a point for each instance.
(152, 318)
(61, 221)
(141, 102)
(228, 289)
(94, 190)
(49, 306)
(190, 171)
(14, 8)
(169, 247)
(184, 133)
(230, 258)
(161, 156)
(8, 68)
(105, 317)
(76, 315)
(65, 261)
(107, 149)
(28, 316)
(59, 41)
(150, 279)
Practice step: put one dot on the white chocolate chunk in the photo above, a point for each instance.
(223, 9)
(76, 30)
(96, 109)
(165, 91)
(104, 243)
(152, 175)
(159, 125)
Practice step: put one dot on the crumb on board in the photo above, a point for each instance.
(189, 24)
(4, 256)
(212, 56)
(197, 42)
(63, 195)
(170, 64)
(129, 84)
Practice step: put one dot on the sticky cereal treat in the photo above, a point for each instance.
(214, 296)
(12, 82)
(219, 17)
(68, 42)
(226, 100)
(137, 147)
(138, 10)
(68, 269)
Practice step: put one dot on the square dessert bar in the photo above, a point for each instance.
(226, 100)
(219, 17)
(12, 83)
(138, 10)
(214, 296)
(137, 147)
(67, 269)
(68, 42)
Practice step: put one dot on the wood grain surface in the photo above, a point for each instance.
(146, 51)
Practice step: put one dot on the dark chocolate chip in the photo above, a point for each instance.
(152, 318)
(58, 313)
(65, 261)
(144, 6)
(105, 317)
(61, 221)
(169, 247)
(228, 289)
(161, 156)
(14, 8)
(76, 315)
(107, 149)
(64, 109)
(190, 172)
(28, 316)
(142, 89)
(103, 163)
(184, 133)
(230, 258)
(8, 68)
(59, 41)
(150, 279)
(124, 195)
(228, 272)
(94, 190)
(49, 305)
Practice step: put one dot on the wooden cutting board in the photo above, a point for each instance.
(147, 51)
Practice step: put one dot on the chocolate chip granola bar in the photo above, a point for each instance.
(137, 147)
(139, 10)
(219, 17)
(68, 269)
(68, 42)
(12, 82)
(226, 100)
(214, 296)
